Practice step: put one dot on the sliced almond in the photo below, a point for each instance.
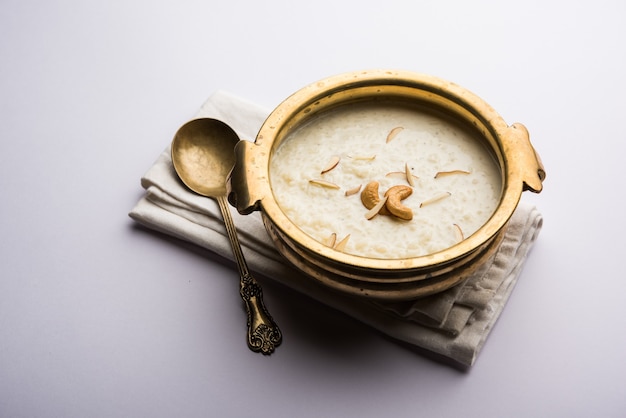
(435, 199)
(330, 241)
(409, 175)
(374, 211)
(363, 157)
(396, 174)
(392, 134)
(324, 183)
(458, 233)
(341, 245)
(450, 173)
(331, 164)
(354, 190)
(403, 175)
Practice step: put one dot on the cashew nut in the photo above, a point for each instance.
(370, 197)
(394, 205)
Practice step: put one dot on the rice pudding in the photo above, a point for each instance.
(322, 178)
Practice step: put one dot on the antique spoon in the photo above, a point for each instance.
(203, 155)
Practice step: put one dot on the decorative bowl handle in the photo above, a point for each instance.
(242, 193)
(533, 172)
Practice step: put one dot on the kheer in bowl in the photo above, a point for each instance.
(388, 185)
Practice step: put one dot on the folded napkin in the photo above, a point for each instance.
(452, 325)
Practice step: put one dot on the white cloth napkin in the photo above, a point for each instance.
(451, 326)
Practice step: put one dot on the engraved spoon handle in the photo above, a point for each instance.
(263, 333)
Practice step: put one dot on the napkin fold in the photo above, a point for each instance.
(452, 325)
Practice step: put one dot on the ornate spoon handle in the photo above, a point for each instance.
(263, 333)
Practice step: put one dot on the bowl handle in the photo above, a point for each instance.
(241, 191)
(527, 159)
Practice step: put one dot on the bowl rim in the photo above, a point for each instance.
(389, 83)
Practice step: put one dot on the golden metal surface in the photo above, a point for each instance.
(203, 155)
(385, 279)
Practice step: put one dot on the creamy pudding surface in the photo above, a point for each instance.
(320, 170)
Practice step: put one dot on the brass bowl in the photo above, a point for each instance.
(385, 279)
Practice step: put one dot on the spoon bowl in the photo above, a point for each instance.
(203, 155)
